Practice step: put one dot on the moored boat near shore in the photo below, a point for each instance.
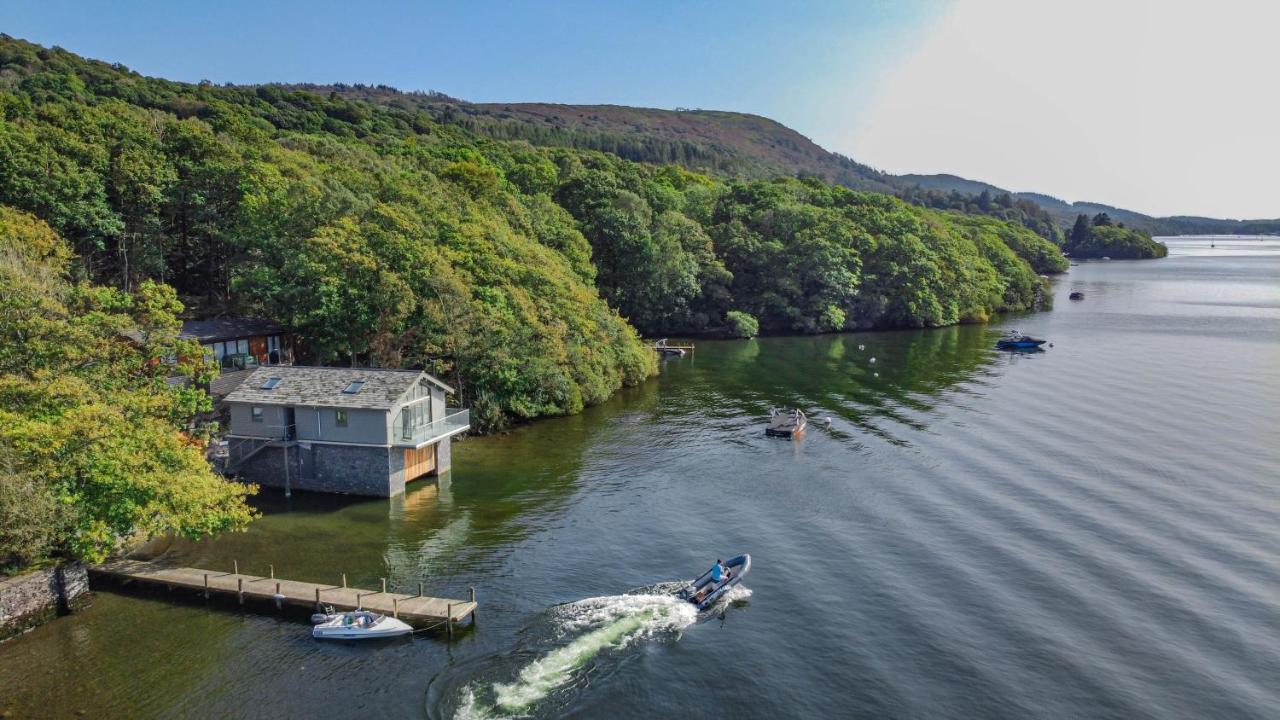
(786, 425)
(1018, 341)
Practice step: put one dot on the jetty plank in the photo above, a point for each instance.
(408, 607)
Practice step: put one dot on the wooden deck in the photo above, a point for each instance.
(663, 348)
(410, 608)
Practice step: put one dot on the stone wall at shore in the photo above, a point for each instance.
(33, 598)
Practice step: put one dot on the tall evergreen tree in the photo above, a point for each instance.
(1079, 231)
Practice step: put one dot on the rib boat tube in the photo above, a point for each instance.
(704, 593)
(358, 625)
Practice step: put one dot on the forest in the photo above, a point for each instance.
(523, 274)
(1099, 237)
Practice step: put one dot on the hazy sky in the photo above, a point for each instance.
(1163, 107)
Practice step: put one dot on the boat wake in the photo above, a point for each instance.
(588, 634)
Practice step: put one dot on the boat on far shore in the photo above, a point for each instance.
(1018, 341)
(786, 425)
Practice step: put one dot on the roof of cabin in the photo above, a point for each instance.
(226, 383)
(215, 329)
(324, 386)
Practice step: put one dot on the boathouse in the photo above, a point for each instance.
(359, 431)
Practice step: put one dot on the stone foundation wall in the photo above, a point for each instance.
(355, 470)
(28, 600)
(344, 469)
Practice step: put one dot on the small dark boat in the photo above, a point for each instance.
(1077, 295)
(1017, 341)
(786, 425)
(704, 592)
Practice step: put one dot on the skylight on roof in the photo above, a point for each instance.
(271, 383)
(354, 387)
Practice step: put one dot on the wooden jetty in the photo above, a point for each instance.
(410, 608)
(664, 348)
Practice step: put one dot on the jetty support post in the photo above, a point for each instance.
(384, 586)
(235, 567)
(240, 589)
(206, 586)
(318, 607)
(279, 597)
(395, 607)
(448, 620)
(344, 580)
(473, 594)
(272, 570)
(419, 589)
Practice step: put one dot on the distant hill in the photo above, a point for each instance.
(1065, 213)
(949, 183)
(731, 143)
(747, 146)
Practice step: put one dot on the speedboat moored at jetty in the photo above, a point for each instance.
(357, 625)
(1017, 341)
(704, 592)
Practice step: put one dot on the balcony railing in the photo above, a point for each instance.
(454, 422)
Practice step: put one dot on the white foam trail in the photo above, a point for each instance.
(468, 709)
(736, 593)
(609, 622)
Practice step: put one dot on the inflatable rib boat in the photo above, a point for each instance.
(704, 592)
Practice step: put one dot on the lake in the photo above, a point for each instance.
(1088, 531)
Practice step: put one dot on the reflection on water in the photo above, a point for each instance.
(1090, 531)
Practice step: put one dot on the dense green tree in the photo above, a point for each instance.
(742, 325)
(1080, 231)
(1117, 243)
(93, 444)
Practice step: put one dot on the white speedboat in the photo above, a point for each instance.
(358, 625)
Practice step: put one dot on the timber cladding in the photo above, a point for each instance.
(419, 462)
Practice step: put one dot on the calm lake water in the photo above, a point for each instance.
(1090, 531)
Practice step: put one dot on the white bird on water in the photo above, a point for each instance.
(862, 347)
(873, 359)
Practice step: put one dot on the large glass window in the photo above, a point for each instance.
(340, 418)
(256, 413)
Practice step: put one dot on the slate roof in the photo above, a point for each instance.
(213, 330)
(227, 382)
(323, 387)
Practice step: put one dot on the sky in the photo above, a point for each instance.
(1161, 107)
